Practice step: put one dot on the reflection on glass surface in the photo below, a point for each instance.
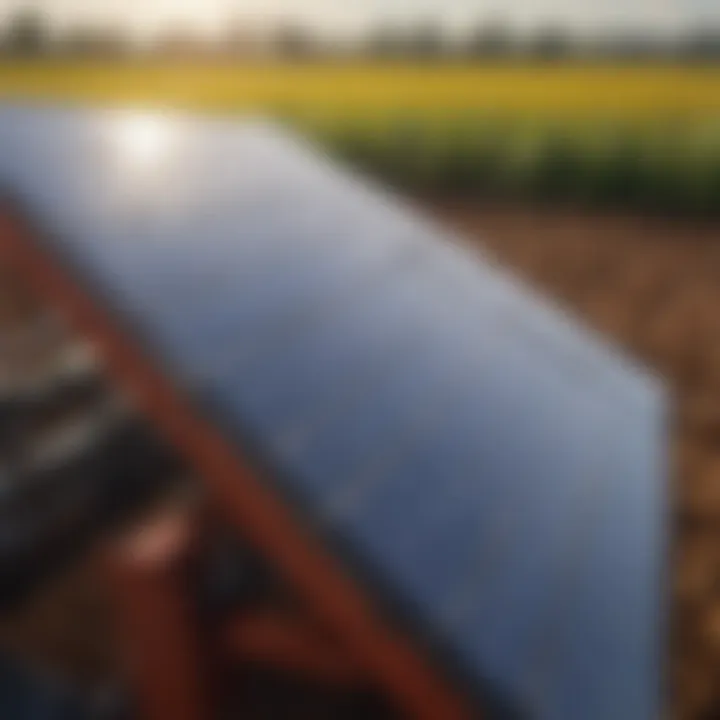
(143, 142)
(146, 164)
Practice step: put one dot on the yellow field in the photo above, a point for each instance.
(632, 93)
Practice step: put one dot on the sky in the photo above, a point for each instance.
(146, 17)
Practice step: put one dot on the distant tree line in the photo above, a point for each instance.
(27, 34)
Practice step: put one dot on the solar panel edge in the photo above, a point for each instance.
(640, 373)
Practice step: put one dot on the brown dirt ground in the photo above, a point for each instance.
(654, 286)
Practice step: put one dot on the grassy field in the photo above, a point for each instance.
(636, 135)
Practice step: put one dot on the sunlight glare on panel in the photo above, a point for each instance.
(143, 142)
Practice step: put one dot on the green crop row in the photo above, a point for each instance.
(670, 169)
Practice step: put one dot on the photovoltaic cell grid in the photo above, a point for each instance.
(495, 468)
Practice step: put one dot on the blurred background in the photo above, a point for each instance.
(608, 105)
(579, 141)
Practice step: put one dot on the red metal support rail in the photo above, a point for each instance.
(387, 655)
(162, 643)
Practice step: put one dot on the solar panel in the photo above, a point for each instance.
(25, 695)
(477, 458)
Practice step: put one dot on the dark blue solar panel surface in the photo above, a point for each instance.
(492, 467)
(24, 696)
